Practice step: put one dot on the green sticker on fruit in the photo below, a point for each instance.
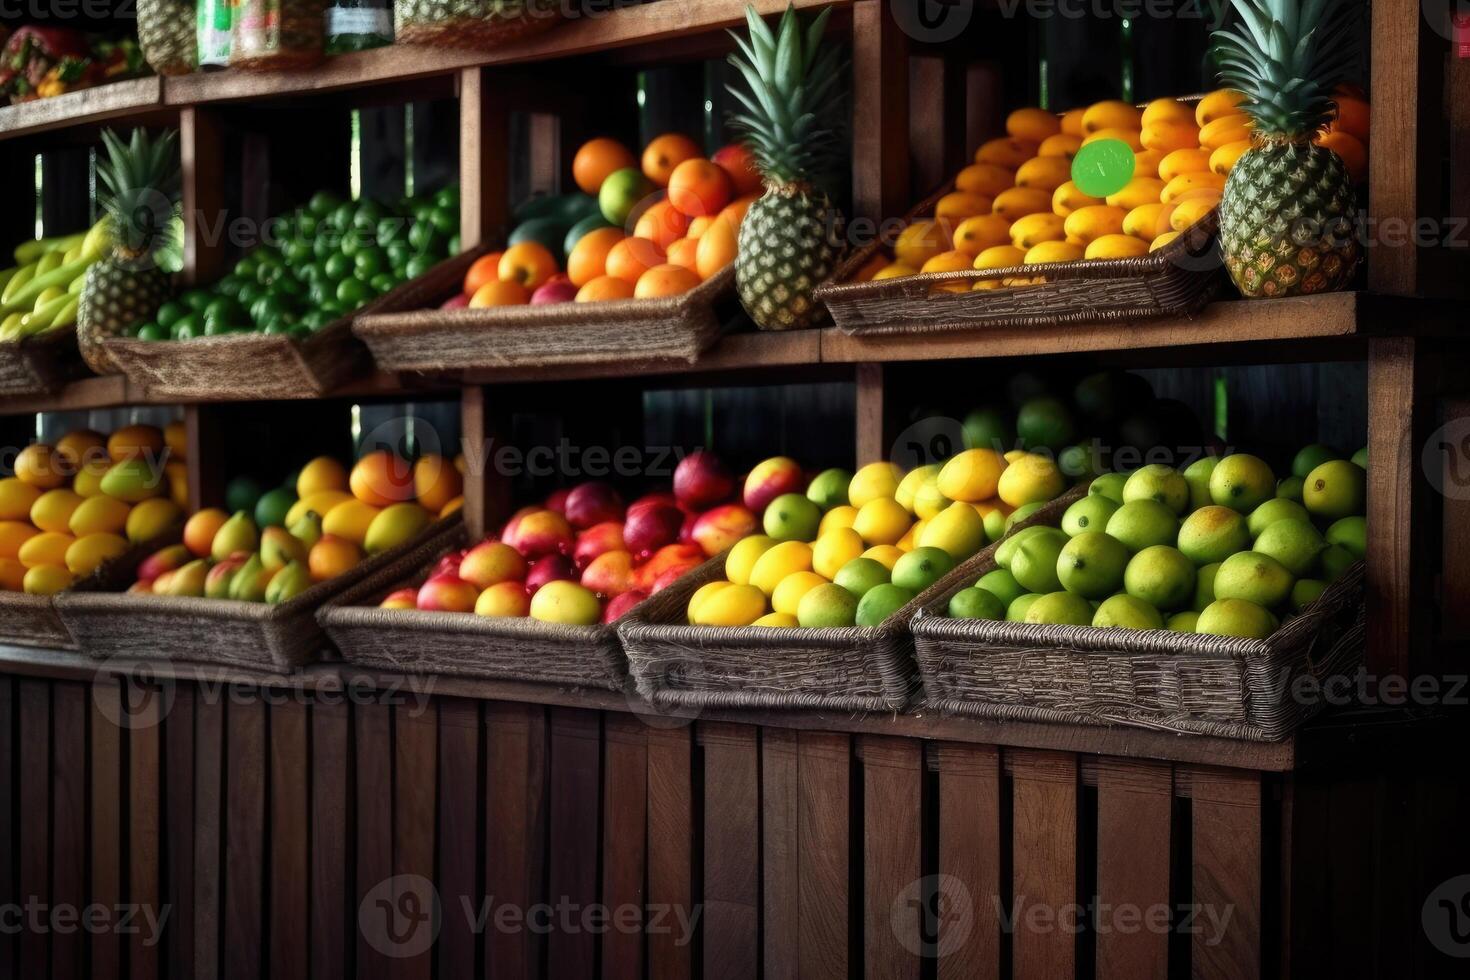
(1103, 167)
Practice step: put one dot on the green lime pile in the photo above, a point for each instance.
(323, 261)
(1221, 548)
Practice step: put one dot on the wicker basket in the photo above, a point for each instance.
(675, 328)
(1177, 280)
(257, 366)
(486, 32)
(250, 635)
(849, 668)
(463, 644)
(1174, 682)
(41, 364)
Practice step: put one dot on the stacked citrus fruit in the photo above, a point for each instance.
(318, 525)
(1018, 204)
(640, 228)
(852, 549)
(74, 505)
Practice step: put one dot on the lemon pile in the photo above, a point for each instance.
(890, 536)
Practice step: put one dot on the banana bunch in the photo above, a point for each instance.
(41, 292)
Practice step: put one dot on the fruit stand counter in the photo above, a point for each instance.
(302, 825)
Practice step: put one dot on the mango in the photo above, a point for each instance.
(165, 560)
(236, 534)
(736, 605)
(133, 479)
(703, 593)
(958, 530)
(98, 515)
(13, 534)
(177, 476)
(250, 581)
(288, 583)
(16, 499)
(88, 481)
(46, 580)
(53, 509)
(308, 529)
(351, 520)
(87, 553)
(12, 575)
(147, 520)
(46, 548)
(776, 563)
(189, 580)
(221, 576)
(395, 525)
(279, 548)
(740, 562)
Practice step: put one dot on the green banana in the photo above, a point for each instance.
(95, 242)
(42, 317)
(66, 316)
(10, 327)
(47, 262)
(77, 285)
(32, 250)
(17, 282)
(8, 274)
(61, 276)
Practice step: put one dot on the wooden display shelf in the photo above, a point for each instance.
(134, 97)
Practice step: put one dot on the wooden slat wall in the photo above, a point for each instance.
(283, 838)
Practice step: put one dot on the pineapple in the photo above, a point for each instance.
(1288, 218)
(791, 238)
(138, 193)
(168, 35)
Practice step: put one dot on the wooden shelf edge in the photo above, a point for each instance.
(93, 105)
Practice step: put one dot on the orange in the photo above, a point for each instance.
(13, 534)
(436, 481)
(40, 466)
(664, 154)
(331, 556)
(662, 223)
(699, 187)
(632, 257)
(380, 479)
(665, 280)
(485, 269)
(605, 288)
(528, 263)
(596, 159)
(589, 256)
(135, 440)
(77, 445)
(684, 252)
(716, 249)
(698, 226)
(200, 530)
(1352, 117)
(500, 293)
(1354, 154)
(736, 209)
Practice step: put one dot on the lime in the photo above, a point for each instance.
(276, 326)
(454, 244)
(241, 493)
(306, 224)
(426, 239)
(417, 266)
(369, 213)
(352, 293)
(322, 203)
(169, 313)
(297, 251)
(338, 266)
(152, 331)
(447, 197)
(1103, 167)
(399, 252)
(249, 293)
(342, 216)
(1044, 422)
(267, 273)
(266, 308)
(392, 229)
(196, 300)
(368, 262)
(324, 246)
(383, 282)
(230, 285)
(245, 268)
(214, 328)
(189, 327)
(273, 505)
(445, 221)
(974, 604)
(224, 311)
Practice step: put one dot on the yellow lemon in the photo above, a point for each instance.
(985, 178)
(1000, 257)
(47, 579)
(840, 516)
(1047, 173)
(912, 481)
(743, 555)
(959, 205)
(13, 534)
(101, 514)
(53, 509)
(86, 553)
(1087, 224)
(40, 466)
(833, 550)
(1188, 212)
(1067, 198)
(1216, 105)
(886, 555)
(873, 481)
(1064, 145)
(1117, 246)
(47, 548)
(736, 605)
(136, 441)
(149, 519)
(776, 621)
(958, 530)
(321, 503)
(1147, 220)
(1030, 479)
(1036, 228)
(929, 500)
(16, 499)
(790, 589)
(1146, 163)
(972, 475)
(779, 561)
(882, 521)
(1166, 110)
(1110, 114)
(1052, 252)
(350, 520)
(1018, 202)
(975, 235)
(703, 593)
(88, 481)
(322, 473)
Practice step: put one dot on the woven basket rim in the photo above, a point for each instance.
(47, 338)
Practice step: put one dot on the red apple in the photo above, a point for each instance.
(686, 530)
(447, 593)
(661, 498)
(620, 605)
(770, 479)
(165, 560)
(557, 501)
(701, 480)
(680, 557)
(739, 163)
(649, 528)
(719, 529)
(610, 574)
(667, 579)
(401, 599)
(508, 531)
(544, 532)
(448, 565)
(593, 503)
(598, 539)
(490, 562)
(557, 289)
(455, 302)
(549, 568)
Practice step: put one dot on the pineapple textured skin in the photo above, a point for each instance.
(790, 243)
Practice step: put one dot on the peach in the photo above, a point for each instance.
(701, 480)
(544, 532)
(200, 530)
(449, 564)
(667, 579)
(719, 528)
(446, 593)
(380, 478)
(771, 478)
(550, 568)
(658, 497)
(331, 556)
(401, 599)
(597, 540)
(166, 560)
(619, 605)
(610, 574)
(490, 563)
(593, 503)
(649, 528)
(671, 556)
(504, 599)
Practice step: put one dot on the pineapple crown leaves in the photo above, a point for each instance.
(140, 190)
(792, 77)
(1286, 56)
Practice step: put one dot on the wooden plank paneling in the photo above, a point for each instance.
(515, 777)
(69, 821)
(624, 843)
(9, 887)
(823, 796)
(871, 414)
(242, 932)
(1227, 831)
(893, 899)
(575, 833)
(330, 847)
(34, 792)
(880, 172)
(1134, 820)
(374, 803)
(290, 813)
(178, 830)
(968, 931)
(731, 851)
(459, 841)
(415, 752)
(780, 854)
(1044, 863)
(483, 174)
(209, 774)
(671, 854)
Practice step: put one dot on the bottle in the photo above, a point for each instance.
(216, 17)
(356, 25)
